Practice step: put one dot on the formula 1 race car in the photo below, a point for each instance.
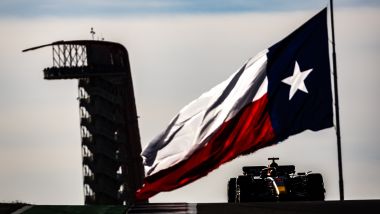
(275, 183)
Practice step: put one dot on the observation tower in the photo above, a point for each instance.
(112, 165)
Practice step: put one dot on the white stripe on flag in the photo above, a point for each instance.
(196, 122)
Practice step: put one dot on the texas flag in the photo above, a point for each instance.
(282, 91)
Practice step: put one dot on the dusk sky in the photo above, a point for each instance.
(178, 50)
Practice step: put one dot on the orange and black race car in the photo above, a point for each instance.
(275, 183)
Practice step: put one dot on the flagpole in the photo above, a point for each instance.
(340, 168)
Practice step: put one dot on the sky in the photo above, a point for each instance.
(178, 50)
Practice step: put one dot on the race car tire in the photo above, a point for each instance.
(315, 187)
(231, 190)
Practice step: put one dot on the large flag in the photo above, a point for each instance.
(282, 91)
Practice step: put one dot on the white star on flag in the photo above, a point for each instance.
(297, 81)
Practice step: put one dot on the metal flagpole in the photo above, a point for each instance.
(340, 168)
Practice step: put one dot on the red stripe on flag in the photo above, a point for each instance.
(248, 131)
